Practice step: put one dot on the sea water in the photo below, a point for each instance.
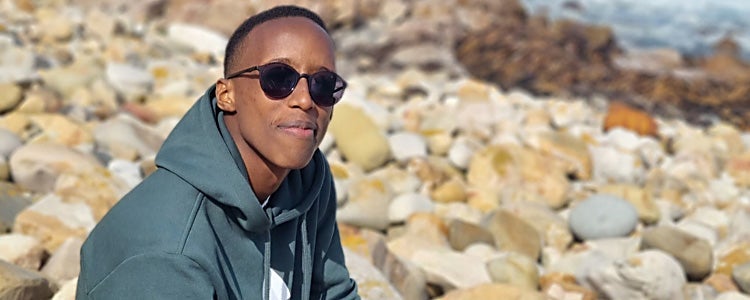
(691, 26)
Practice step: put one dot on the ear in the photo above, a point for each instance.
(225, 95)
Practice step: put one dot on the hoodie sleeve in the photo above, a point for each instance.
(330, 277)
(153, 276)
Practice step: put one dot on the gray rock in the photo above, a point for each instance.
(602, 216)
(12, 202)
(741, 275)
(694, 254)
(9, 142)
(17, 283)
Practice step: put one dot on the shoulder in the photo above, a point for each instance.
(153, 218)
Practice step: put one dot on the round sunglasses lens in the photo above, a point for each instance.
(278, 81)
(323, 86)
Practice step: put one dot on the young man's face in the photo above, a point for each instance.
(283, 132)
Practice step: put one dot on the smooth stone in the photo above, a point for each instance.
(694, 254)
(462, 234)
(67, 290)
(422, 231)
(401, 181)
(127, 138)
(453, 190)
(492, 291)
(461, 151)
(564, 286)
(602, 216)
(16, 63)
(695, 291)
(458, 211)
(732, 296)
(407, 278)
(651, 274)
(21, 284)
(37, 166)
(514, 269)
(720, 282)
(371, 282)
(367, 204)
(53, 221)
(22, 250)
(405, 205)
(74, 188)
(450, 269)
(129, 172)
(511, 233)
(129, 80)
(9, 142)
(552, 227)
(406, 145)
(60, 129)
(67, 79)
(64, 264)
(358, 138)
(10, 97)
(12, 201)
(198, 38)
(741, 275)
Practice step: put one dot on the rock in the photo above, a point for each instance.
(54, 26)
(720, 282)
(493, 291)
(358, 138)
(458, 211)
(405, 145)
(696, 291)
(732, 296)
(650, 274)
(22, 284)
(129, 172)
(198, 38)
(739, 168)
(741, 275)
(553, 228)
(9, 142)
(52, 221)
(512, 233)
(423, 231)
(461, 151)
(10, 97)
(64, 264)
(67, 291)
(694, 254)
(129, 80)
(60, 129)
(405, 205)
(408, 279)
(368, 204)
(563, 286)
(36, 167)
(625, 116)
(453, 190)
(461, 234)
(67, 79)
(613, 165)
(573, 152)
(12, 202)
(735, 256)
(514, 269)
(22, 250)
(640, 198)
(127, 138)
(16, 63)
(372, 284)
(602, 216)
(450, 269)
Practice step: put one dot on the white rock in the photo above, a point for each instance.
(67, 291)
(21, 250)
(460, 211)
(16, 63)
(64, 264)
(406, 145)
(372, 283)
(461, 152)
(129, 80)
(198, 38)
(405, 205)
(37, 166)
(129, 172)
(612, 165)
(451, 269)
(732, 295)
(623, 139)
(699, 230)
(650, 274)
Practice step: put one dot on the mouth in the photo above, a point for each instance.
(299, 128)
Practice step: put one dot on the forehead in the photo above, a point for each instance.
(297, 39)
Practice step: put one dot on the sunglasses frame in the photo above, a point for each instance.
(260, 69)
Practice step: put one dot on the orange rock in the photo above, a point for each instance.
(721, 282)
(555, 285)
(735, 257)
(625, 116)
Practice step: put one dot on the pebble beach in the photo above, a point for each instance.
(450, 185)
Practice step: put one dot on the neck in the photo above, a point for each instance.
(265, 177)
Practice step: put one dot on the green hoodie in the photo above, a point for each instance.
(194, 229)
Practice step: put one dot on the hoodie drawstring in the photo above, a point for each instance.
(267, 267)
(306, 261)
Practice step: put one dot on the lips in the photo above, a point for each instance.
(300, 128)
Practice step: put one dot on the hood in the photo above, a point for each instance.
(201, 151)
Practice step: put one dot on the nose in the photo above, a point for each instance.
(301, 97)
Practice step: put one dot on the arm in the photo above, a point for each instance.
(153, 276)
(330, 277)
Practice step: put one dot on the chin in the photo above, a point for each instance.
(296, 162)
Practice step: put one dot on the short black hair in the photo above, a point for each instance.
(273, 13)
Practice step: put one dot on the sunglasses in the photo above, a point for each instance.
(278, 80)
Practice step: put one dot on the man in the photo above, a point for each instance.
(242, 205)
